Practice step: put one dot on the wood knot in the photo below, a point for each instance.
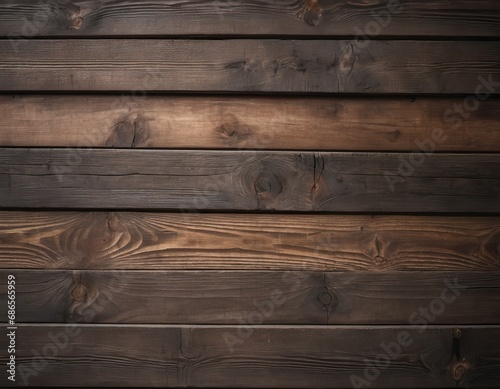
(233, 131)
(283, 63)
(77, 22)
(347, 60)
(79, 292)
(459, 368)
(267, 186)
(227, 130)
(325, 298)
(394, 135)
(130, 132)
(262, 185)
(379, 260)
(100, 235)
(311, 13)
(265, 180)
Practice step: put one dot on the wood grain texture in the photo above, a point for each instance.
(269, 356)
(24, 18)
(249, 180)
(254, 297)
(190, 241)
(308, 123)
(321, 66)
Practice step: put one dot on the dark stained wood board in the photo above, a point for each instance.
(289, 129)
(267, 357)
(198, 241)
(436, 18)
(236, 122)
(272, 66)
(249, 180)
(254, 297)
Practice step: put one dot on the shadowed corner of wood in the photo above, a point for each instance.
(311, 12)
(130, 132)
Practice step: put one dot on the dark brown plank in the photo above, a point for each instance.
(269, 356)
(479, 369)
(145, 297)
(249, 180)
(190, 241)
(415, 182)
(321, 66)
(24, 18)
(256, 297)
(309, 123)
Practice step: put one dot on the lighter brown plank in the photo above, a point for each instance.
(190, 241)
(357, 123)
(267, 357)
(321, 66)
(24, 18)
(254, 297)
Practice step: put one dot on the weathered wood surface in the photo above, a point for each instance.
(254, 297)
(190, 241)
(309, 123)
(249, 180)
(267, 357)
(322, 66)
(24, 18)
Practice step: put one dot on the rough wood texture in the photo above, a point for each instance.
(268, 17)
(249, 66)
(254, 297)
(267, 357)
(249, 180)
(309, 123)
(159, 241)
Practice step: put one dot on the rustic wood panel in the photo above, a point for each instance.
(250, 66)
(308, 123)
(249, 180)
(169, 241)
(268, 356)
(25, 18)
(255, 297)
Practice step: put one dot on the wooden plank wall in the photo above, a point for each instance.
(272, 194)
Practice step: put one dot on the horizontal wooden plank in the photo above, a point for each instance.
(261, 357)
(321, 66)
(309, 123)
(24, 18)
(253, 297)
(249, 180)
(190, 241)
